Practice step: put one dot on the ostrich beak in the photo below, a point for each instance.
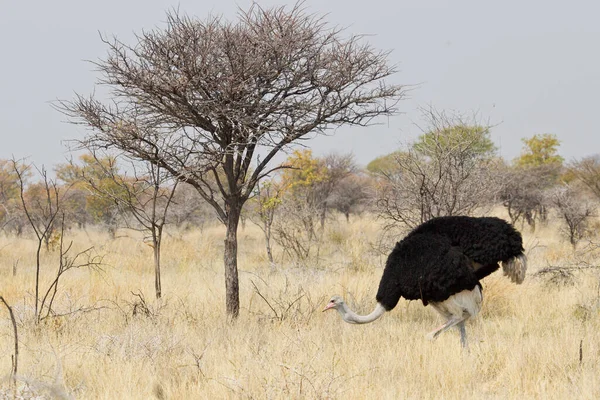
(328, 307)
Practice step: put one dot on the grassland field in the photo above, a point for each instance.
(538, 340)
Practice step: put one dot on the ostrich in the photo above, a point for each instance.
(441, 263)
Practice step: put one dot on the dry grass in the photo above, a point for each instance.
(525, 344)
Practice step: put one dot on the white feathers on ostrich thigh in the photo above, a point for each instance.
(460, 305)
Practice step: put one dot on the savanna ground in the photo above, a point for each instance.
(536, 340)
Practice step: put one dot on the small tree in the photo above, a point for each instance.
(540, 150)
(587, 170)
(66, 262)
(351, 194)
(146, 195)
(295, 230)
(41, 210)
(315, 180)
(11, 215)
(303, 177)
(298, 230)
(574, 211)
(338, 167)
(536, 170)
(202, 98)
(100, 202)
(266, 201)
(524, 191)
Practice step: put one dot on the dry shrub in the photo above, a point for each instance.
(337, 236)
(292, 303)
(557, 276)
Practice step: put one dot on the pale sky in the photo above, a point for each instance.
(527, 66)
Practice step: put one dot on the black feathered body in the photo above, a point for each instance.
(437, 259)
(485, 240)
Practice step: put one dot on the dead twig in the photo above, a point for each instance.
(15, 358)
(265, 300)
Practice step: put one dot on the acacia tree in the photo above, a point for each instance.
(202, 98)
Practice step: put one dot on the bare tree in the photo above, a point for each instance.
(574, 211)
(447, 171)
(267, 199)
(146, 195)
(524, 191)
(41, 212)
(296, 229)
(587, 170)
(66, 262)
(351, 194)
(338, 167)
(11, 213)
(202, 98)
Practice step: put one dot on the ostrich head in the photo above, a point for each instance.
(337, 303)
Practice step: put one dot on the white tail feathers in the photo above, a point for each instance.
(515, 268)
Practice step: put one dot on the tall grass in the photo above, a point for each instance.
(531, 341)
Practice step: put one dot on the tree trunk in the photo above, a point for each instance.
(156, 238)
(37, 277)
(323, 214)
(269, 251)
(267, 232)
(232, 290)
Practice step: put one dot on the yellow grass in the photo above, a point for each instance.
(525, 343)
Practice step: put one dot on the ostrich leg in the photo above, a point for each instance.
(463, 334)
(450, 312)
(454, 321)
(457, 309)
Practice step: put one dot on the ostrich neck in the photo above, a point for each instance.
(353, 318)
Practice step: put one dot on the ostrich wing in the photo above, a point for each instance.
(485, 240)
